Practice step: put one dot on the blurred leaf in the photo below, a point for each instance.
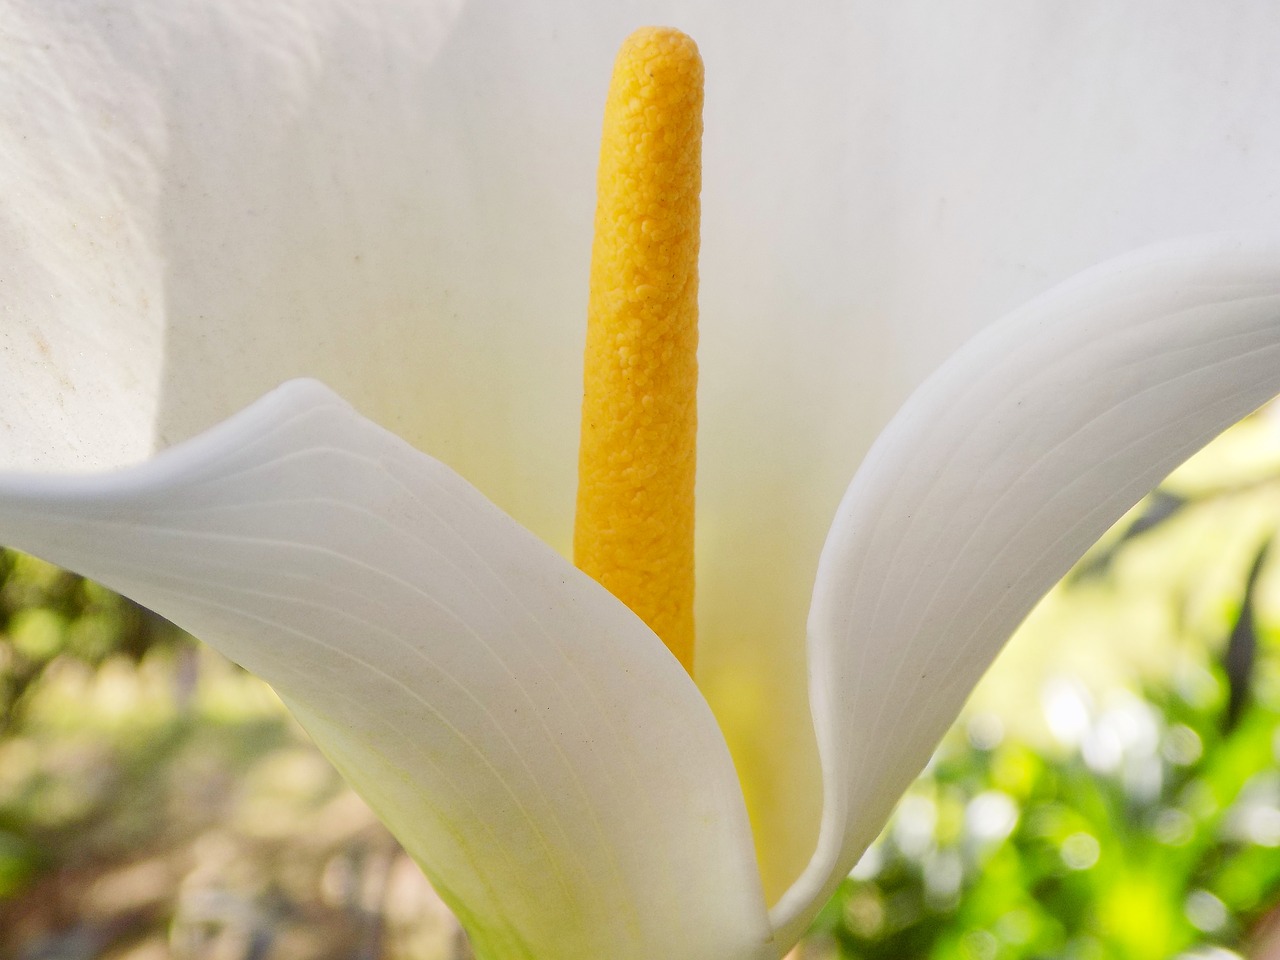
(1160, 507)
(1241, 650)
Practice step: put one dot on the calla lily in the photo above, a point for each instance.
(205, 200)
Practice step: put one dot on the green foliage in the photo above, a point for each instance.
(1155, 833)
(48, 616)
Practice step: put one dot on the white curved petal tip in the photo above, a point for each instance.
(994, 478)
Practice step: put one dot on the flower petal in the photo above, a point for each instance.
(994, 478)
(532, 743)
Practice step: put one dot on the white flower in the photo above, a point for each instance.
(202, 200)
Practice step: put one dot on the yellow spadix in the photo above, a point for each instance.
(634, 526)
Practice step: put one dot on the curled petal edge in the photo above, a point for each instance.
(991, 481)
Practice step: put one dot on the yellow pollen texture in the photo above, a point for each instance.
(634, 526)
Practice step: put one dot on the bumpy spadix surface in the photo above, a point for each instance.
(634, 525)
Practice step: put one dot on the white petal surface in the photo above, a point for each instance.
(995, 477)
(531, 742)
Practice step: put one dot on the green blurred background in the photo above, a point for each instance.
(1113, 790)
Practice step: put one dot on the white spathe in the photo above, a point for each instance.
(529, 740)
(201, 200)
